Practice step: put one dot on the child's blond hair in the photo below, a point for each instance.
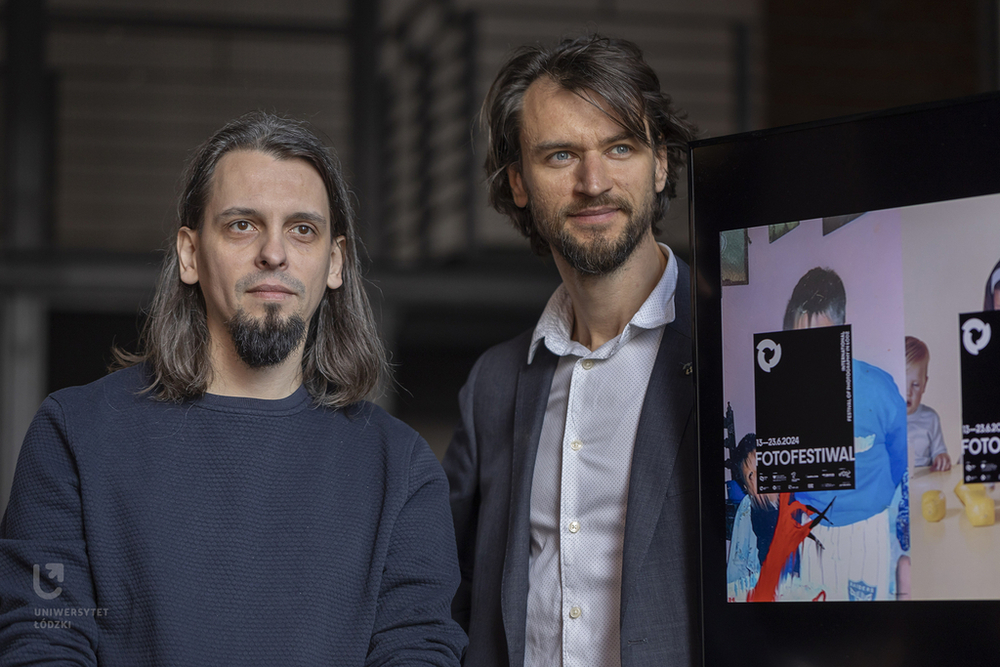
(916, 351)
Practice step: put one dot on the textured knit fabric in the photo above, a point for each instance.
(580, 484)
(224, 531)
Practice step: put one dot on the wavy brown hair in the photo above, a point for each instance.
(614, 70)
(344, 359)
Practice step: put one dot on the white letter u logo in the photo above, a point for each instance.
(56, 571)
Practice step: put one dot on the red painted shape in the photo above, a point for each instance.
(788, 535)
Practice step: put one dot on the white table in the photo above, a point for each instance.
(951, 559)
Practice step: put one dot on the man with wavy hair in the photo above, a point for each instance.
(228, 497)
(574, 470)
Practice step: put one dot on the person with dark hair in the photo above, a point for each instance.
(866, 529)
(227, 496)
(743, 464)
(756, 516)
(991, 298)
(818, 300)
(573, 471)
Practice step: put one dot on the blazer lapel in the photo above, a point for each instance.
(531, 400)
(665, 412)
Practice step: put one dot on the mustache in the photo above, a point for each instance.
(257, 277)
(600, 201)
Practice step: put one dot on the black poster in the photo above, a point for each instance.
(980, 358)
(804, 410)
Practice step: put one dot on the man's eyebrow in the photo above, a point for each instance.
(238, 210)
(623, 136)
(546, 146)
(308, 216)
(304, 216)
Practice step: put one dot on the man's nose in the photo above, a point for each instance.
(593, 178)
(272, 253)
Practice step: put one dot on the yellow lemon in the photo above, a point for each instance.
(932, 505)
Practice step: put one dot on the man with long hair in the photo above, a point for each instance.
(228, 497)
(573, 472)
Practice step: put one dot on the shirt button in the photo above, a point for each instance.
(574, 526)
(575, 612)
(587, 364)
(576, 445)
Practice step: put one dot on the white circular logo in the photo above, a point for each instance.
(768, 348)
(975, 325)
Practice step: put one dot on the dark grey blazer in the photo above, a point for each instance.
(490, 464)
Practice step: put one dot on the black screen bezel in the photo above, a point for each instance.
(901, 157)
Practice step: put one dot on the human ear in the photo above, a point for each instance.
(517, 188)
(187, 251)
(335, 279)
(660, 169)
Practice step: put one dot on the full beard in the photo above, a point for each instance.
(596, 255)
(261, 343)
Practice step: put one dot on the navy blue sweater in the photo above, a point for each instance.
(224, 531)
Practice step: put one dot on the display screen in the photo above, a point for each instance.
(860, 382)
(848, 357)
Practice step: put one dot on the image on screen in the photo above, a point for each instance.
(861, 441)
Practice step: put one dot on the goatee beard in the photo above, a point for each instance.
(598, 256)
(266, 342)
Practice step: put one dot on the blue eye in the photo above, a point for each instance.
(561, 155)
(621, 149)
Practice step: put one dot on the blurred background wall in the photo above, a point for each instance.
(103, 101)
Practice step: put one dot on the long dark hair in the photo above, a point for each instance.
(614, 70)
(344, 357)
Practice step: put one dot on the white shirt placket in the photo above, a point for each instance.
(571, 525)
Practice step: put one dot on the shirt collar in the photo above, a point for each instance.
(555, 325)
